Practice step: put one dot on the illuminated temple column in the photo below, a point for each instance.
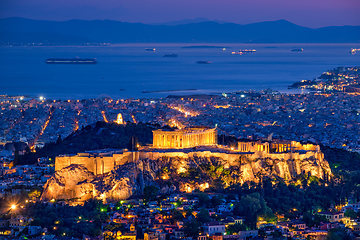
(192, 139)
(155, 140)
(158, 140)
(177, 142)
(189, 139)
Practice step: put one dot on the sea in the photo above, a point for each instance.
(129, 71)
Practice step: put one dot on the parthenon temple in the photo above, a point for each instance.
(184, 138)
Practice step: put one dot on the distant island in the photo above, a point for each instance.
(20, 31)
(203, 46)
(178, 90)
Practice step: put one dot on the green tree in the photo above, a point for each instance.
(203, 216)
(235, 228)
(34, 194)
(204, 199)
(350, 213)
(217, 185)
(337, 234)
(312, 220)
(192, 229)
(216, 200)
(177, 215)
(251, 206)
(150, 193)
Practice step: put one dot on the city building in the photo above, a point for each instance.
(333, 216)
(212, 228)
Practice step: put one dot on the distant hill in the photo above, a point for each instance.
(187, 21)
(93, 137)
(109, 31)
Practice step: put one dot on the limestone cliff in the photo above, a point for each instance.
(172, 172)
(77, 183)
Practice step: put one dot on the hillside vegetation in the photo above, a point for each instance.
(92, 137)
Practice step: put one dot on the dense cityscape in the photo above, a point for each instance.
(306, 117)
(321, 204)
(179, 120)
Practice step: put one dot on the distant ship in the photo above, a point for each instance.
(238, 53)
(354, 50)
(150, 49)
(248, 50)
(297, 50)
(170, 55)
(71, 61)
(203, 62)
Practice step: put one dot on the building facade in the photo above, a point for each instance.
(184, 138)
(212, 228)
(333, 216)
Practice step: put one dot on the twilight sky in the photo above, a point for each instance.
(309, 13)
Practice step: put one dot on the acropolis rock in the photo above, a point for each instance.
(120, 174)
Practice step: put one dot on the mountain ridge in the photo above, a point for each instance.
(110, 31)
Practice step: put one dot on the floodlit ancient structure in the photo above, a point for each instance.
(98, 162)
(184, 138)
(275, 146)
(119, 174)
(179, 143)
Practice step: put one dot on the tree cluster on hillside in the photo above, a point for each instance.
(69, 221)
(92, 137)
(340, 159)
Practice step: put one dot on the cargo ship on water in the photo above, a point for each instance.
(170, 55)
(150, 49)
(71, 61)
(297, 50)
(245, 51)
(248, 50)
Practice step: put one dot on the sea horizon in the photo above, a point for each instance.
(127, 70)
